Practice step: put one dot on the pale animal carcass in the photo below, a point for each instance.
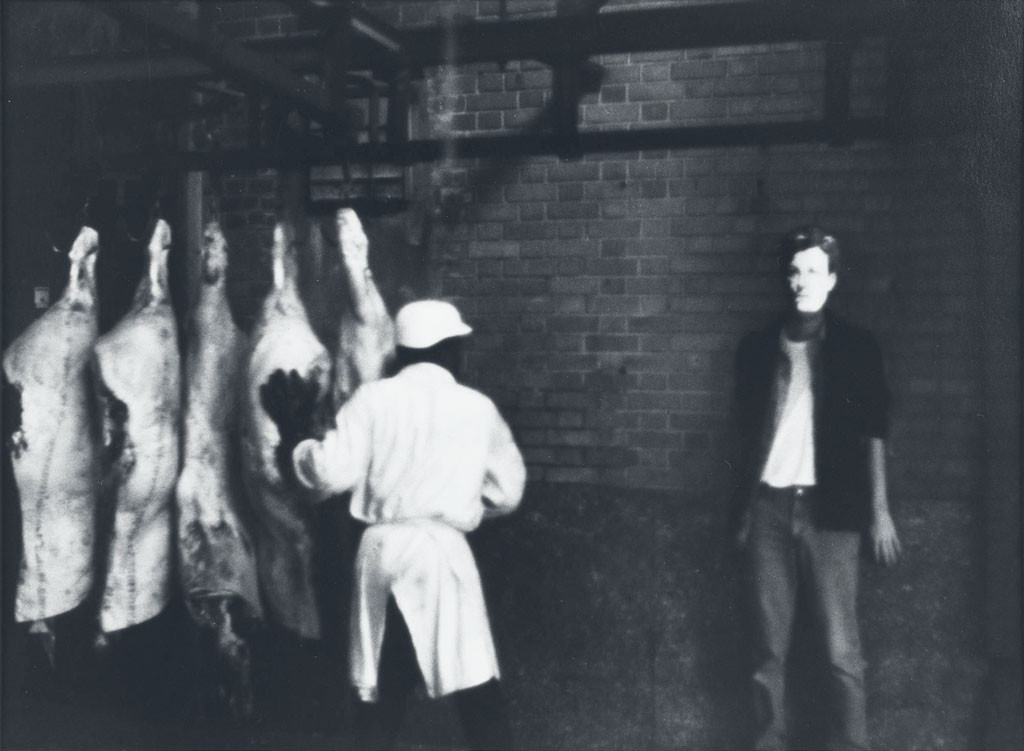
(283, 517)
(366, 339)
(54, 450)
(217, 563)
(138, 382)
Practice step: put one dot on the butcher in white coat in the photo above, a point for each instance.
(426, 459)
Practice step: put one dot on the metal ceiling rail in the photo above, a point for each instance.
(563, 41)
(544, 39)
(169, 68)
(89, 71)
(718, 25)
(510, 145)
(297, 52)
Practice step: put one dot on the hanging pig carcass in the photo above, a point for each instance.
(217, 563)
(138, 382)
(54, 449)
(282, 526)
(366, 339)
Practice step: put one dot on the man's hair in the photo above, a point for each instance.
(447, 353)
(804, 238)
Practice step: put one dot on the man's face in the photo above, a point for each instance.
(810, 280)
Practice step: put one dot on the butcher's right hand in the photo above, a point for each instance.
(292, 403)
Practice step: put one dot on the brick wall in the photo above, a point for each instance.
(608, 293)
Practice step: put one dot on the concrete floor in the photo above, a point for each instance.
(618, 627)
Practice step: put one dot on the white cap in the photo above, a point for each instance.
(424, 323)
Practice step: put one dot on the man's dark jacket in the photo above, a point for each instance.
(851, 405)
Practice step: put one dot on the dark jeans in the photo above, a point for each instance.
(481, 708)
(787, 554)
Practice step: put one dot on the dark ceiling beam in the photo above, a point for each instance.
(228, 58)
(155, 67)
(150, 68)
(544, 39)
(510, 145)
(838, 84)
(295, 52)
(573, 76)
(685, 137)
(718, 25)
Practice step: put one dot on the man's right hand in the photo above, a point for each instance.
(884, 540)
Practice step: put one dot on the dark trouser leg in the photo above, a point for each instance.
(831, 563)
(377, 723)
(771, 563)
(484, 716)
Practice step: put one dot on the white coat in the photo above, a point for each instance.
(426, 459)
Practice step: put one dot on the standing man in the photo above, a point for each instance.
(813, 406)
(426, 460)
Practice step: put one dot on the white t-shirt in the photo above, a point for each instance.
(791, 458)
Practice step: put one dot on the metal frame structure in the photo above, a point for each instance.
(352, 42)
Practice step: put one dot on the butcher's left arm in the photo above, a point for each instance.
(505, 477)
(336, 463)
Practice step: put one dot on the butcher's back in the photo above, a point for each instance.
(431, 439)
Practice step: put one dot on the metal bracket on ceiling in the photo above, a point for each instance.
(229, 58)
(573, 77)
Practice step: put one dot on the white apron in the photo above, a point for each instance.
(429, 569)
